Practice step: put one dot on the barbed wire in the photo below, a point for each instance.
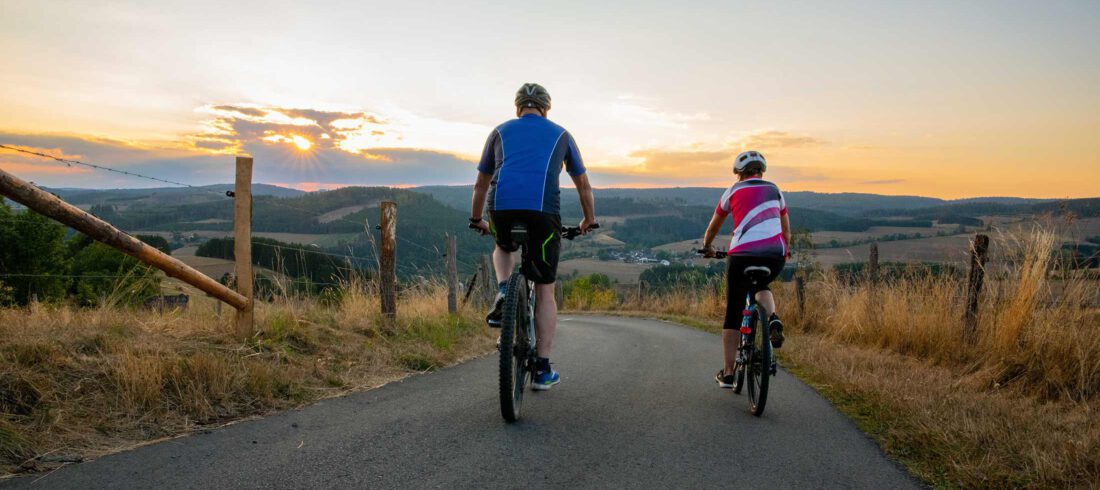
(80, 276)
(70, 162)
(274, 200)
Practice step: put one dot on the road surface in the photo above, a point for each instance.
(637, 408)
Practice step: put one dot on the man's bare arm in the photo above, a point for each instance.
(588, 201)
(481, 190)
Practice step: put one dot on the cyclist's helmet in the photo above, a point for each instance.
(533, 95)
(748, 159)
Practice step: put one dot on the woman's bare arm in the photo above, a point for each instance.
(712, 229)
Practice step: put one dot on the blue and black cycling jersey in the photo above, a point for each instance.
(525, 157)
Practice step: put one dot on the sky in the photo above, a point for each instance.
(943, 99)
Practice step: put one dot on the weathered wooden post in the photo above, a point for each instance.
(978, 251)
(489, 283)
(242, 244)
(872, 265)
(559, 294)
(800, 293)
(470, 286)
(452, 275)
(387, 260)
(51, 206)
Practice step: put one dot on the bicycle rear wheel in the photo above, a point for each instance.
(513, 348)
(759, 368)
(739, 378)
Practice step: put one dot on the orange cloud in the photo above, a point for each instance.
(770, 140)
(22, 163)
(50, 168)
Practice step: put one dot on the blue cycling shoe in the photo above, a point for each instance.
(545, 376)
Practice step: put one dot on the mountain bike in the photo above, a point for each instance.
(755, 358)
(518, 342)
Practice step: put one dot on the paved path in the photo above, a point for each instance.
(637, 408)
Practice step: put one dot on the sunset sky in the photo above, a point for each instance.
(946, 99)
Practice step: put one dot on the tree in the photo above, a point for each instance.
(33, 259)
(105, 275)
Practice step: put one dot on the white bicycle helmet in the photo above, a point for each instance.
(747, 158)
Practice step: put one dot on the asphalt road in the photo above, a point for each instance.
(637, 407)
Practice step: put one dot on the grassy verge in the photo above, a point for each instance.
(943, 424)
(1012, 404)
(79, 383)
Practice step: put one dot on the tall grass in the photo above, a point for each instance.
(1038, 328)
(1010, 406)
(80, 382)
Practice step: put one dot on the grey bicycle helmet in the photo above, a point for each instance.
(533, 95)
(747, 158)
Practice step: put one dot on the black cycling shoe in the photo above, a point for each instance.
(776, 326)
(497, 313)
(724, 381)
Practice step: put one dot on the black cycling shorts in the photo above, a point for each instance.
(738, 285)
(543, 240)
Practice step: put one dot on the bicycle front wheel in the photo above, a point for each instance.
(513, 348)
(758, 370)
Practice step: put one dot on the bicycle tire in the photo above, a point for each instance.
(759, 368)
(739, 379)
(512, 354)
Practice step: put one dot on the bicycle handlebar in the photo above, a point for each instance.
(571, 232)
(567, 232)
(718, 254)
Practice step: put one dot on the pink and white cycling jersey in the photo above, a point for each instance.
(756, 206)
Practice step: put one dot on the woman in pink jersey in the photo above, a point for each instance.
(761, 232)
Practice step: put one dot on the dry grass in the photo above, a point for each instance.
(1011, 406)
(80, 383)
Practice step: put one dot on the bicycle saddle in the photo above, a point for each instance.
(757, 271)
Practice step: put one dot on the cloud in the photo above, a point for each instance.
(678, 167)
(323, 166)
(882, 182)
(633, 110)
(772, 140)
(235, 126)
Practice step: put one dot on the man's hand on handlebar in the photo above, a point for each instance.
(481, 227)
(587, 226)
(570, 233)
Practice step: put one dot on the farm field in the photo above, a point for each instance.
(948, 249)
(323, 240)
(621, 272)
(690, 245)
(822, 237)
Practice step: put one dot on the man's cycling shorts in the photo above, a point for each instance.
(543, 240)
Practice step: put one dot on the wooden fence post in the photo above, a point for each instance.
(452, 275)
(559, 293)
(978, 251)
(242, 244)
(872, 265)
(470, 286)
(489, 283)
(387, 260)
(800, 293)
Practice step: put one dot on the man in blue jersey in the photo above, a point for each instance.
(518, 175)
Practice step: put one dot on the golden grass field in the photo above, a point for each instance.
(1012, 406)
(621, 272)
(78, 383)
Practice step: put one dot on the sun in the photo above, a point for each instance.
(301, 142)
